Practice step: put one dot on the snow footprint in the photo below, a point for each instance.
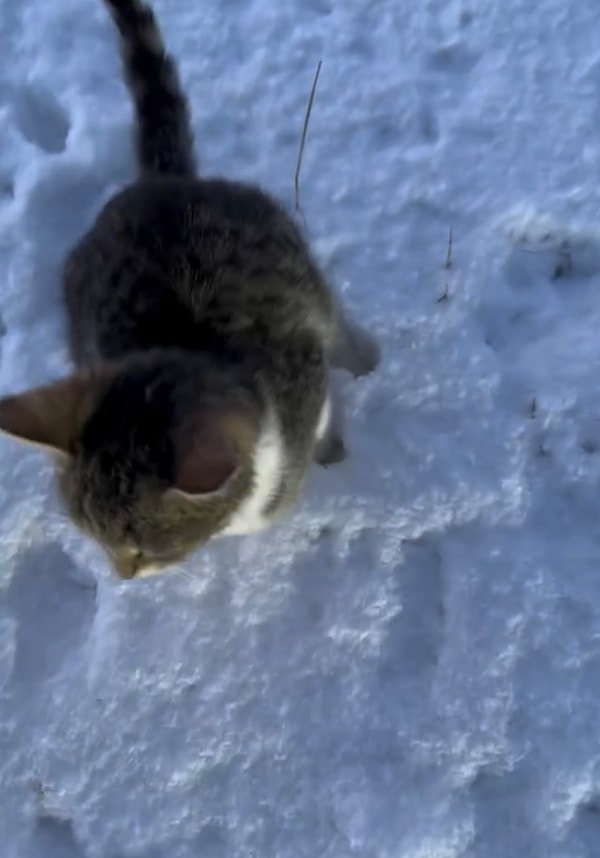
(54, 838)
(211, 842)
(40, 118)
(498, 816)
(320, 7)
(544, 284)
(586, 825)
(52, 833)
(410, 626)
(52, 614)
(416, 634)
(454, 56)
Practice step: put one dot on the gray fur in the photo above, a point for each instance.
(164, 138)
(190, 296)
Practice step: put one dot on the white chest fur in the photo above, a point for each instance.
(324, 419)
(269, 457)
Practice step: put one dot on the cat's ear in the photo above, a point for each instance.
(47, 416)
(210, 450)
(208, 462)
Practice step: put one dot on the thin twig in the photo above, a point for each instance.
(445, 296)
(303, 138)
(448, 262)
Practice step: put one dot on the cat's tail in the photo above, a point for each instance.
(164, 137)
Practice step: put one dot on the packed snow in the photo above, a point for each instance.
(408, 666)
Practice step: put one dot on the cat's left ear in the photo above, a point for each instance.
(47, 416)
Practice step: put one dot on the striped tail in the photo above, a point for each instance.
(164, 138)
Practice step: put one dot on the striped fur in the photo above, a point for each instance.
(164, 138)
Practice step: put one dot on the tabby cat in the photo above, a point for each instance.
(202, 333)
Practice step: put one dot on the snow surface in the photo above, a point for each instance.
(409, 665)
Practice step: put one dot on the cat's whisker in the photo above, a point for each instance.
(179, 570)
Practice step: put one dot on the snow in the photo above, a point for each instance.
(408, 665)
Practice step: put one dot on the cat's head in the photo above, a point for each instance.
(150, 464)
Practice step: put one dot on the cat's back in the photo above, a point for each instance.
(156, 200)
(168, 254)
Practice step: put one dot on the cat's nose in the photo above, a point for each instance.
(126, 566)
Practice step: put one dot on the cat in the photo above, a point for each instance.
(203, 336)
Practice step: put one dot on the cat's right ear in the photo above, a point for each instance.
(46, 416)
(210, 449)
(206, 466)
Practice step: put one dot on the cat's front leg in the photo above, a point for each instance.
(330, 448)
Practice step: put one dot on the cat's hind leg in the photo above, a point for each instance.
(354, 348)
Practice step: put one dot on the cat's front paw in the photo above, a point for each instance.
(331, 451)
(367, 353)
(355, 350)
